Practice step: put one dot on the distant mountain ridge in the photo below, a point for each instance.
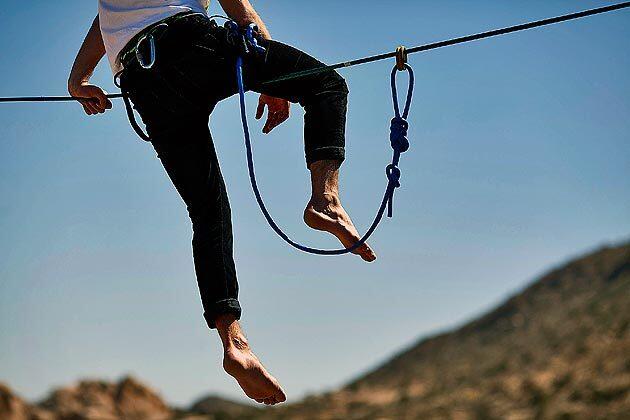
(560, 349)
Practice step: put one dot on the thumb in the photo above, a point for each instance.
(261, 109)
(103, 101)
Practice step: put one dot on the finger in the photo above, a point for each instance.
(270, 124)
(99, 108)
(93, 106)
(83, 103)
(98, 104)
(261, 109)
(103, 102)
(86, 106)
(283, 116)
(278, 118)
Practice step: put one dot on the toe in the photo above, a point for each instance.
(366, 253)
(281, 397)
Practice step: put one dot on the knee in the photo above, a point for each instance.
(328, 87)
(209, 213)
(334, 82)
(200, 216)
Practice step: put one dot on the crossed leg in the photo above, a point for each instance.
(324, 99)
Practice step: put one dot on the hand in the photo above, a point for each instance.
(277, 111)
(95, 99)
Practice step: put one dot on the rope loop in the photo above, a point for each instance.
(412, 80)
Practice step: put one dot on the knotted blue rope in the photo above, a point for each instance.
(398, 139)
(398, 134)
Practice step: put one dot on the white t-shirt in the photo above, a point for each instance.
(121, 20)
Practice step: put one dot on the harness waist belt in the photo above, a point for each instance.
(128, 54)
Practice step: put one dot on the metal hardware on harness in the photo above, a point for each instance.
(244, 39)
(151, 37)
(140, 57)
(401, 58)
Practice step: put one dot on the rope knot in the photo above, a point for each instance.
(398, 135)
(243, 38)
(393, 174)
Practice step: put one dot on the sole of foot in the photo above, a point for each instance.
(252, 377)
(328, 215)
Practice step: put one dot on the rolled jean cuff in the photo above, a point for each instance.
(222, 307)
(326, 153)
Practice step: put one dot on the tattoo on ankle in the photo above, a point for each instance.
(239, 342)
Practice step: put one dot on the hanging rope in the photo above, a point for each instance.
(398, 140)
(379, 57)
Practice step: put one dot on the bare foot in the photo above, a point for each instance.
(326, 213)
(251, 375)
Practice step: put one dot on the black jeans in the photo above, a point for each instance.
(195, 69)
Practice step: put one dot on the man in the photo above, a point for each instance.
(193, 71)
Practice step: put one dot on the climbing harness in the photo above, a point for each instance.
(244, 40)
(150, 36)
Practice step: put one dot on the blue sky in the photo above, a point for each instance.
(520, 159)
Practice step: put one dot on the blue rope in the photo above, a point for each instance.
(398, 140)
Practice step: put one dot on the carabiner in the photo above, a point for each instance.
(401, 58)
(152, 55)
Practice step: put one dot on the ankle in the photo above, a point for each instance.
(324, 178)
(326, 198)
(237, 342)
(230, 332)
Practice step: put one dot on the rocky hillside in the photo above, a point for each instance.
(127, 399)
(558, 350)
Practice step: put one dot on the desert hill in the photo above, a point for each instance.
(560, 349)
(128, 399)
